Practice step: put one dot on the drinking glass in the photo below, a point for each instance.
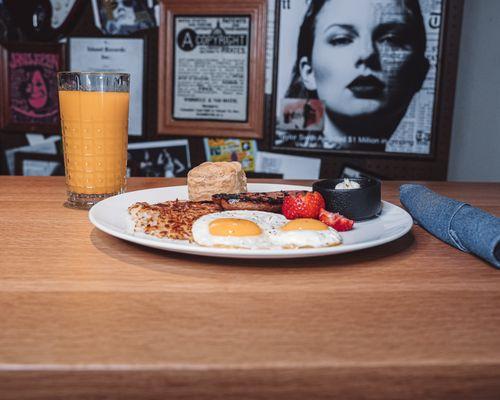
(94, 119)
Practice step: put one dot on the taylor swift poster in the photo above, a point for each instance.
(357, 75)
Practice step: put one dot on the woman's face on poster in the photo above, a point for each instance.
(37, 91)
(362, 57)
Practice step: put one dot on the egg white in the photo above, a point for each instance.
(272, 235)
(265, 220)
(305, 238)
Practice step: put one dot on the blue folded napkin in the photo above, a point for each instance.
(467, 228)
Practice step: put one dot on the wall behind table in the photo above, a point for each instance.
(332, 164)
(475, 144)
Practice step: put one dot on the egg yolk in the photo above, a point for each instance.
(304, 224)
(233, 227)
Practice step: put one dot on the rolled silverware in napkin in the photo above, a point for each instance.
(468, 228)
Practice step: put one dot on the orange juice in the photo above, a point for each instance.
(95, 136)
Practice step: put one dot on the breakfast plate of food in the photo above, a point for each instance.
(218, 214)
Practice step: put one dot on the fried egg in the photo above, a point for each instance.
(261, 230)
(239, 229)
(304, 232)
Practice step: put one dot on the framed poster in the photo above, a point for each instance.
(363, 77)
(212, 68)
(230, 149)
(28, 87)
(115, 55)
(167, 158)
(123, 17)
(31, 143)
(65, 14)
(44, 19)
(38, 164)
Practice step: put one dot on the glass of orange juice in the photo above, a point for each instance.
(94, 120)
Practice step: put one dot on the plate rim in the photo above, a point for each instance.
(194, 249)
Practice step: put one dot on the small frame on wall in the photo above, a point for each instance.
(116, 54)
(212, 68)
(28, 87)
(38, 164)
(369, 77)
(122, 17)
(45, 20)
(168, 158)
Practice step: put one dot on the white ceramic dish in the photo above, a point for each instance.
(110, 216)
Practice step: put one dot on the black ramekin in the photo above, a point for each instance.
(355, 204)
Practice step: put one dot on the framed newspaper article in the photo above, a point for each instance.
(212, 68)
(364, 76)
(28, 86)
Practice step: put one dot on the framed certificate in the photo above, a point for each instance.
(115, 55)
(212, 68)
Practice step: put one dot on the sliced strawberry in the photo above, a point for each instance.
(328, 217)
(343, 224)
(335, 220)
(303, 205)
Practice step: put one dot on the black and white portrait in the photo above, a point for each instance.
(166, 158)
(371, 66)
(123, 17)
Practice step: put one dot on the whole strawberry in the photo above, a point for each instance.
(303, 205)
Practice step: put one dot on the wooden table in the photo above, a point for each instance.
(85, 315)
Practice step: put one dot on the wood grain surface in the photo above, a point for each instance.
(88, 316)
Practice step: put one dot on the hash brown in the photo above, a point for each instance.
(170, 219)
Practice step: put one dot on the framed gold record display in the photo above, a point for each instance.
(212, 68)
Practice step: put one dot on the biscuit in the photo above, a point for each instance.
(212, 178)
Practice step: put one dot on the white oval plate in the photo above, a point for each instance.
(111, 216)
